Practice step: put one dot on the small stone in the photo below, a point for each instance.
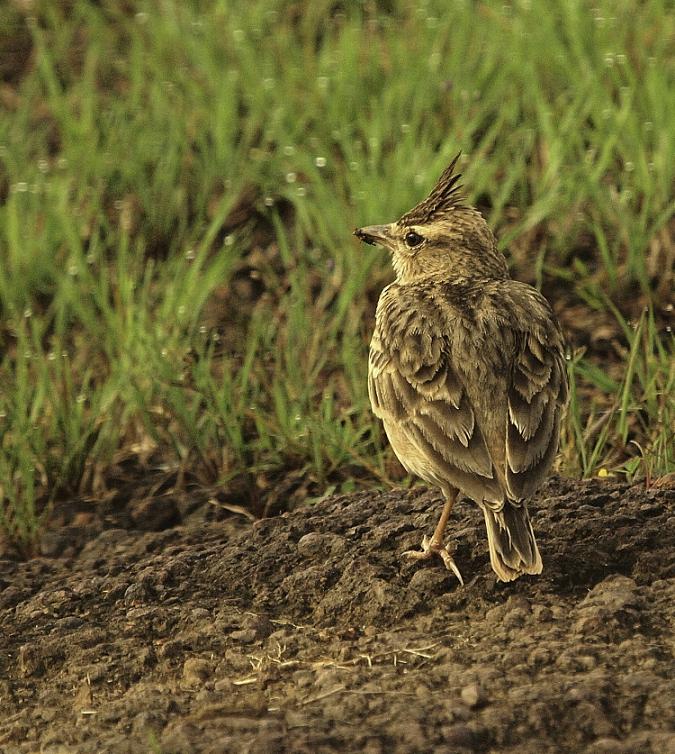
(244, 635)
(68, 623)
(315, 544)
(30, 660)
(139, 593)
(223, 684)
(472, 695)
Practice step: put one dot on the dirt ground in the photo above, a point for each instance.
(307, 632)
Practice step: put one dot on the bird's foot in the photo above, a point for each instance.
(431, 548)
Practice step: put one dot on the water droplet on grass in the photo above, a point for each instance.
(27, 312)
(190, 255)
(320, 162)
(291, 177)
(21, 187)
(269, 201)
(289, 150)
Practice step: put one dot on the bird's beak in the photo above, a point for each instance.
(376, 235)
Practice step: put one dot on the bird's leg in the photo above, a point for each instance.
(435, 546)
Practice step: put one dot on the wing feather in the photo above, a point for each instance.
(536, 398)
(428, 416)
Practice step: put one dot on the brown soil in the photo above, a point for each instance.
(308, 633)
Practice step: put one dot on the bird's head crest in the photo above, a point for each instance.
(445, 196)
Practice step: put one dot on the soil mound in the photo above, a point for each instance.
(308, 633)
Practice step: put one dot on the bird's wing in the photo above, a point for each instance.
(537, 394)
(415, 390)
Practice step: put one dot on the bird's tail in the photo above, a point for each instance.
(513, 548)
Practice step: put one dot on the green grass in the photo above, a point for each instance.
(179, 183)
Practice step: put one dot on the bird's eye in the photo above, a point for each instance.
(413, 239)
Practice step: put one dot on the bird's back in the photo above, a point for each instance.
(482, 357)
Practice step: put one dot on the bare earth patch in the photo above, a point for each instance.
(307, 633)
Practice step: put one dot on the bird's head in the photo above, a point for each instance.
(440, 236)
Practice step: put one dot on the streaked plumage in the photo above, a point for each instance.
(467, 371)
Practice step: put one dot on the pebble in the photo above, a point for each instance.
(314, 543)
(244, 635)
(472, 695)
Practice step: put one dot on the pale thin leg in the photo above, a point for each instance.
(435, 546)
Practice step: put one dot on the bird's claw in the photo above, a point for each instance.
(431, 548)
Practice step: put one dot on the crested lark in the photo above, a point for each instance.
(466, 372)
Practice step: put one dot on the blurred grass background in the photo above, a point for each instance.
(180, 294)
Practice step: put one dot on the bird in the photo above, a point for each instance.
(467, 373)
